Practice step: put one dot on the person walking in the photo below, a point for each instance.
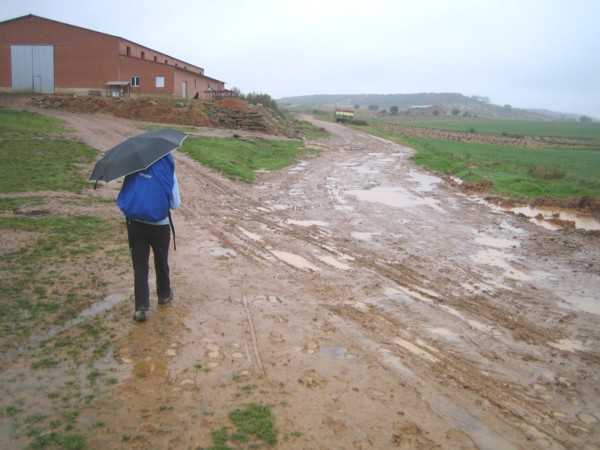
(145, 199)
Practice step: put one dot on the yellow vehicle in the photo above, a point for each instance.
(344, 115)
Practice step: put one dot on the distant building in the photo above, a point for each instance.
(39, 55)
(425, 110)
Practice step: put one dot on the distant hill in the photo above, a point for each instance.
(474, 106)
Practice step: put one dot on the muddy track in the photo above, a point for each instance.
(372, 305)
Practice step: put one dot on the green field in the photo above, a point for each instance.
(583, 130)
(514, 171)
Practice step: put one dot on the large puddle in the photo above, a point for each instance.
(550, 218)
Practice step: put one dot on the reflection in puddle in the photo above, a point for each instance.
(587, 304)
(496, 258)
(252, 236)
(496, 242)
(307, 223)
(426, 182)
(220, 251)
(567, 345)
(482, 435)
(395, 363)
(334, 262)
(362, 235)
(445, 333)
(405, 294)
(338, 352)
(415, 350)
(395, 196)
(295, 260)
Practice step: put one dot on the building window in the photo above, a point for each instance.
(166, 61)
(160, 82)
(155, 59)
(135, 81)
(128, 51)
(143, 55)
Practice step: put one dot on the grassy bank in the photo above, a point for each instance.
(241, 159)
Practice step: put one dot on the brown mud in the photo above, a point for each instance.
(368, 303)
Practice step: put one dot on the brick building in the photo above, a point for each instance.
(39, 55)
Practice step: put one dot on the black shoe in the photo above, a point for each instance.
(167, 299)
(140, 316)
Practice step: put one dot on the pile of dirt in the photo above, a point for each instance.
(231, 113)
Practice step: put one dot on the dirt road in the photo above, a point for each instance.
(369, 303)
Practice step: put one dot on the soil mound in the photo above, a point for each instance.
(231, 113)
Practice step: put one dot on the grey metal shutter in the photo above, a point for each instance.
(33, 68)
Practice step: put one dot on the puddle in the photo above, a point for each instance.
(295, 260)
(425, 181)
(481, 435)
(546, 217)
(415, 350)
(445, 333)
(496, 242)
(496, 258)
(338, 352)
(298, 167)
(395, 363)
(567, 345)
(394, 196)
(248, 234)
(405, 294)
(588, 304)
(307, 223)
(362, 235)
(330, 260)
(220, 251)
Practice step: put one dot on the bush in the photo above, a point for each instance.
(546, 172)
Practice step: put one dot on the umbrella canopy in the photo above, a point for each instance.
(136, 153)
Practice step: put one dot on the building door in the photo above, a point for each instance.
(184, 89)
(32, 68)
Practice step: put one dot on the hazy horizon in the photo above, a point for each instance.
(533, 54)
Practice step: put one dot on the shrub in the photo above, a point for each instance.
(546, 172)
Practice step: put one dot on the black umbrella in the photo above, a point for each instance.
(136, 153)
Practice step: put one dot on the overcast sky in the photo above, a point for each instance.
(525, 53)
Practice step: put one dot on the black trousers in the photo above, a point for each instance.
(142, 238)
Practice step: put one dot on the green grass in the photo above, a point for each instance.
(30, 165)
(24, 124)
(585, 130)
(253, 427)
(255, 420)
(309, 131)
(524, 172)
(73, 441)
(240, 159)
